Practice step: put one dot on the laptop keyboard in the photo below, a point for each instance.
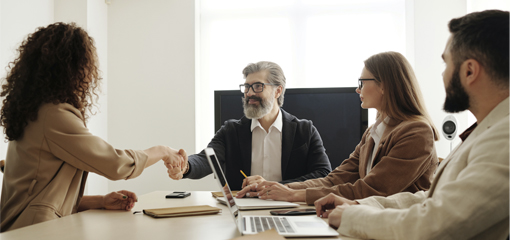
(260, 224)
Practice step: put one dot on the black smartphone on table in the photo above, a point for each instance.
(299, 211)
(178, 194)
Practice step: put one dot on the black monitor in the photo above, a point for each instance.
(335, 112)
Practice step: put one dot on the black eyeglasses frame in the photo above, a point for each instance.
(247, 87)
(360, 81)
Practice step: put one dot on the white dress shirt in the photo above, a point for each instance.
(376, 133)
(266, 149)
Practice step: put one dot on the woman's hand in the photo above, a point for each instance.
(272, 190)
(280, 192)
(121, 200)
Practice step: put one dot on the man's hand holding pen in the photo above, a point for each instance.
(249, 183)
(257, 179)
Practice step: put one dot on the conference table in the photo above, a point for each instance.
(127, 225)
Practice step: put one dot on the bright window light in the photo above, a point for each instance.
(318, 43)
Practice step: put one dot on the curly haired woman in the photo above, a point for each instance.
(49, 93)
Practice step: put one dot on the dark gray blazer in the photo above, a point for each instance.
(303, 155)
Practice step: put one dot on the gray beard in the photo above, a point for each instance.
(252, 111)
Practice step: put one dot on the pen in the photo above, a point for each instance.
(243, 173)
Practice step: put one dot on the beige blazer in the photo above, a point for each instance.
(468, 198)
(46, 170)
(405, 161)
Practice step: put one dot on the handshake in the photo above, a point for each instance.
(176, 162)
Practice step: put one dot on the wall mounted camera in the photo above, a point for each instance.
(449, 127)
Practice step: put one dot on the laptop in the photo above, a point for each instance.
(287, 226)
(244, 203)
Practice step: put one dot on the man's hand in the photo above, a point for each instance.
(248, 191)
(256, 179)
(324, 205)
(335, 217)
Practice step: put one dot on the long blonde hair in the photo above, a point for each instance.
(402, 98)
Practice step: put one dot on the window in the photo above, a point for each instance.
(318, 43)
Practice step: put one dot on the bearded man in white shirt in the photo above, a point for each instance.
(267, 143)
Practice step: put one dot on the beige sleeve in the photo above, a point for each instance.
(469, 202)
(69, 139)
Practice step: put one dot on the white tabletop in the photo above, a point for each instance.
(124, 225)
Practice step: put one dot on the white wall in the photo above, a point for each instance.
(430, 33)
(17, 19)
(97, 27)
(151, 85)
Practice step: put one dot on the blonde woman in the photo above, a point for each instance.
(395, 154)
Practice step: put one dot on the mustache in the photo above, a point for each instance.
(254, 98)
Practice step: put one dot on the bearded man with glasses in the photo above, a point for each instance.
(267, 143)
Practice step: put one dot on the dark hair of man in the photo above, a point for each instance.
(483, 36)
(56, 64)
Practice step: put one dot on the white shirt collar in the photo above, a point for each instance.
(278, 122)
(376, 130)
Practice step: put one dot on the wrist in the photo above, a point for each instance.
(91, 202)
(187, 168)
(299, 195)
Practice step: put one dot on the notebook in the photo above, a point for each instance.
(181, 211)
(287, 226)
(220, 194)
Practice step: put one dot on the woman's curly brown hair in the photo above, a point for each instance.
(56, 64)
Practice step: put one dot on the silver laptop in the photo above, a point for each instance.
(256, 203)
(288, 226)
(244, 203)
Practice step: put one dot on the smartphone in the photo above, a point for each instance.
(299, 211)
(177, 194)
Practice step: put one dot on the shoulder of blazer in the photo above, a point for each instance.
(408, 126)
(59, 107)
(233, 125)
(235, 122)
(287, 117)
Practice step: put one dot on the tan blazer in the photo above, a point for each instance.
(46, 169)
(468, 198)
(405, 161)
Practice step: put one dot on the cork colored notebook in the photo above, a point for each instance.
(220, 194)
(181, 211)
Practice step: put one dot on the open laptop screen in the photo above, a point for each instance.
(213, 161)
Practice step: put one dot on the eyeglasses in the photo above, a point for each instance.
(256, 87)
(360, 81)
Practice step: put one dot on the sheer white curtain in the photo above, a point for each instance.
(318, 43)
